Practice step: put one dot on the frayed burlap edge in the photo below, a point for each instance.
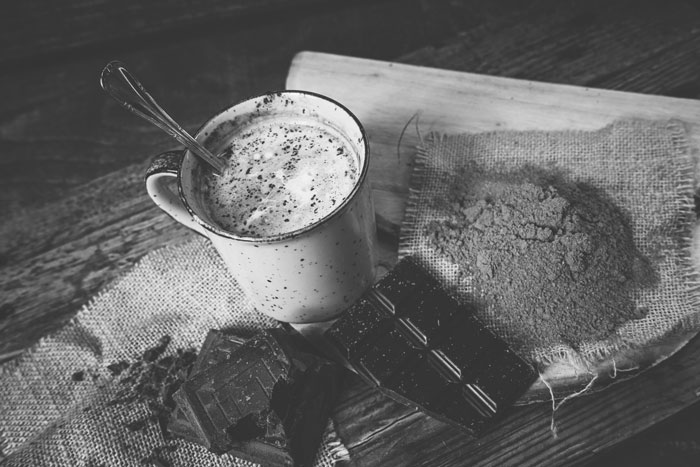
(685, 174)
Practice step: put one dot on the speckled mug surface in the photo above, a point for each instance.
(314, 271)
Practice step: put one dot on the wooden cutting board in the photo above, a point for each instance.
(398, 103)
(386, 96)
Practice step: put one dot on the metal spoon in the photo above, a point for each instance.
(125, 89)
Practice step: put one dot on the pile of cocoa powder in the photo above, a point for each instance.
(554, 261)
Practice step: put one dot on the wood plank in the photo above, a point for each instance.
(585, 44)
(58, 257)
(39, 28)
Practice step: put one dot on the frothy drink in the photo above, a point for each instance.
(282, 175)
(292, 216)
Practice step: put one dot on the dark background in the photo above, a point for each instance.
(59, 131)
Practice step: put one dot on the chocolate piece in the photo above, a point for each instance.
(179, 426)
(216, 348)
(268, 401)
(409, 338)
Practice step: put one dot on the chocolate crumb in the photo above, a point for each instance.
(153, 353)
(156, 456)
(138, 425)
(117, 368)
(152, 379)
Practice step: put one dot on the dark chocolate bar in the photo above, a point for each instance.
(413, 341)
(268, 401)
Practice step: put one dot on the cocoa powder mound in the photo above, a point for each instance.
(554, 261)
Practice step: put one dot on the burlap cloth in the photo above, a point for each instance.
(645, 167)
(48, 419)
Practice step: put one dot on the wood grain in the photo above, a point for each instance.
(85, 243)
(36, 28)
(629, 45)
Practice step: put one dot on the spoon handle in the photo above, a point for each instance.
(125, 89)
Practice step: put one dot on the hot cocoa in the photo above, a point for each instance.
(291, 214)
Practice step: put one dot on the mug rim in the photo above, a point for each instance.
(211, 227)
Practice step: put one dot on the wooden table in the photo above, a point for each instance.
(76, 214)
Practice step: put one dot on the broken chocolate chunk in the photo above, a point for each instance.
(416, 344)
(216, 348)
(151, 354)
(117, 368)
(267, 401)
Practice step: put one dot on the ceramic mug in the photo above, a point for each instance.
(308, 275)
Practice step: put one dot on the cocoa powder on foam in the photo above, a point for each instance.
(554, 261)
(282, 175)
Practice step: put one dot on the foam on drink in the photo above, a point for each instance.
(282, 175)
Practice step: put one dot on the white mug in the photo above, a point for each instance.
(308, 275)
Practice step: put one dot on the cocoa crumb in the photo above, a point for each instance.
(153, 353)
(116, 369)
(138, 425)
(152, 379)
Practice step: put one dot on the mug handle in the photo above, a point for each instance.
(163, 167)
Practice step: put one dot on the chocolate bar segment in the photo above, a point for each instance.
(370, 323)
(267, 401)
(420, 347)
(383, 356)
(218, 397)
(216, 348)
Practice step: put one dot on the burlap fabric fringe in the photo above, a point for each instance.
(47, 419)
(645, 167)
